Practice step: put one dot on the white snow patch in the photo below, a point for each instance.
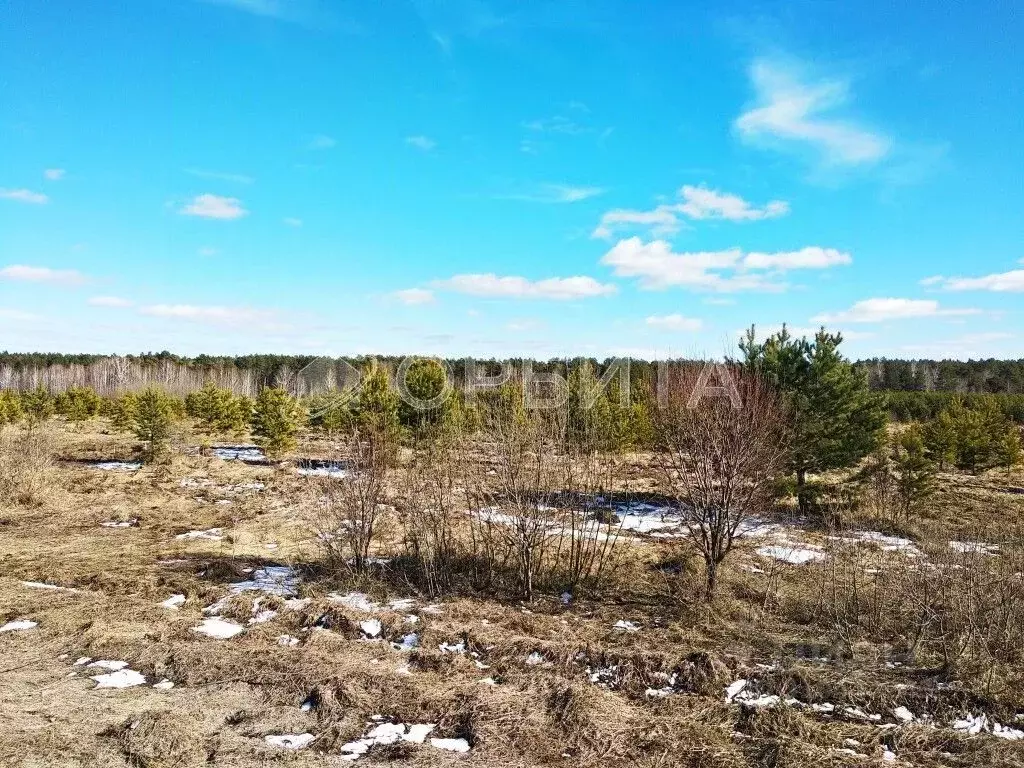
(164, 685)
(120, 523)
(370, 627)
(117, 466)
(790, 554)
(238, 452)
(452, 745)
(220, 629)
(122, 678)
(20, 624)
(335, 471)
(974, 547)
(174, 602)
(110, 666)
(903, 714)
(734, 689)
(290, 740)
(277, 580)
(51, 587)
(287, 641)
(211, 534)
(626, 626)
(354, 600)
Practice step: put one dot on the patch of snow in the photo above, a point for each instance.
(296, 603)
(402, 604)
(120, 523)
(122, 678)
(1006, 732)
(488, 681)
(116, 466)
(221, 629)
(884, 542)
(290, 740)
(238, 453)
(626, 626)
(974, 547)
(418, 732)
(164, 685)
(17, 626)
(277, 580)
(355, 600)
(174, 602)
(51, 587)
(534, 659)
(82, 661)
(287, 640)
(370, 627)
(790, 554)
(888, 757)
(566, 598)
(903, 714)
(336, 471)
(734, 689)
(110, 666)
(262, 617)
(409, 643)
(211, 534)
(452, 647)
(452, 745)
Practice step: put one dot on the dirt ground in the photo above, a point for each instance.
(638, 674)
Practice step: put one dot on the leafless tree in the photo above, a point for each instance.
(347, 510)
(722, 436)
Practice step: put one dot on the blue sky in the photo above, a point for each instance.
(474, 177)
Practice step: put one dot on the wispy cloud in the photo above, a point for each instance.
(215, 207)
(273, 8)
(414, 296)
(556, 193)
(215, 315)
(235, 178)
(28, 274)
(695, 202)
(54, 174)
(514, 287)
(110, 301)
(657, 267)
(24, 196)
(794, 112)
(999, 282)
(675, 322)
(17, 315)
(320, 142)
(421, 142)
(885, 309)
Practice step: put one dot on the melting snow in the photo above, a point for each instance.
(904, 714)
(112, 666)
(14, 626)
(792, 555)
(164, 685)
(174, 602)
(238, 453)
(212, 534)
(336, 471)
(116, 466)
(452, 745)
(287, 640)
(370, 627)
(734, 689)
(51, 587)
(220, 629)
(626, 626)
(409, 642)
(290, 740)
(120, 523)
(974, 547)
(122, 678)
(354, 600)
(387, 733)
(277, 580)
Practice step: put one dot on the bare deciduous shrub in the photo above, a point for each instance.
(346, 511)
(26, 464)
(429, 509)
(722, 451)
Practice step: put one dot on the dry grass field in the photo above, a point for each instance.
(852, 644)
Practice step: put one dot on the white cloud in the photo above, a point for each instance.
(703, 203)
(414, 296)
(24, 196)
(881, 310)
(215, 207)
(1000, 282)
(257, 7)
(557, 193)
(54, 174)
(110, 301)
(661, 221)
(811, 257)
(675, 322)
(792, 112)
(217, 315)
(236, 178)
(321, 142)
(697, 203)
(291, 221)
(16, 315)
(658, 267)
(556, 124)
(421, 142)
(23, 273)
(512, 287)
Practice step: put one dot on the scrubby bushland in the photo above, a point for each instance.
(26, 464)
(78, 404)
(153, 413)
(972, 437)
